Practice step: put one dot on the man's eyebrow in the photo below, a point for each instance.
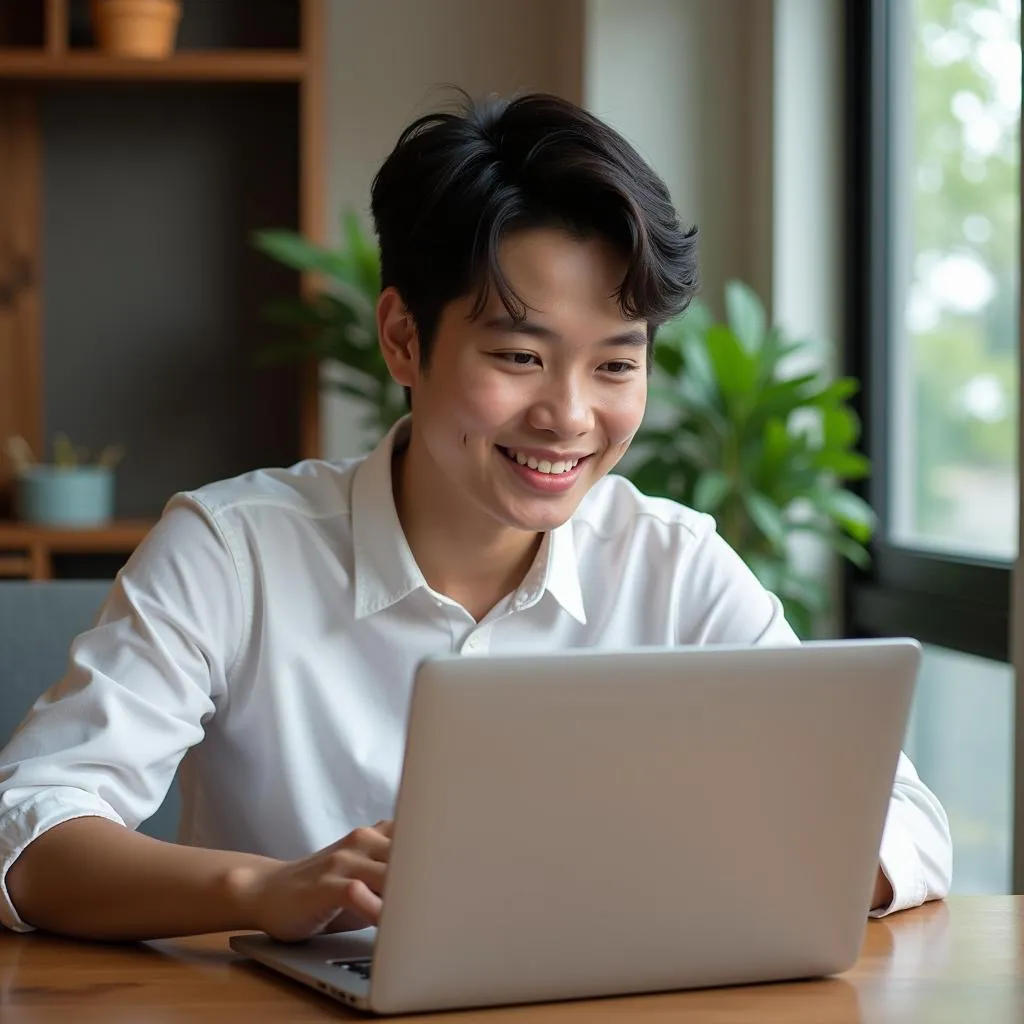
(634, 338)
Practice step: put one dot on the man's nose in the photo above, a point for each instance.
(564, 408)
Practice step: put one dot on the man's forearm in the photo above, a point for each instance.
(92, 878)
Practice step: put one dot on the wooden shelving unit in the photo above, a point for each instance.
(244, 90)
(27, 551)
(214, 66)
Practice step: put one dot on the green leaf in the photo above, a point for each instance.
(851, 550)
(653, 476)
(697, 319)
(697, 366)
(767, 517)
(774, 461)
(774, 350)
(800, 617)
(668, 358)
(769, 571)
(846, 465)
(842, 545)
(690, 450)
(808, 592)
(364, 254)
(840, 427)
(783, 397)
(710, 491)
(291, 249)
(745, 314)
(849, 510)
(837, 391)
(735, 369)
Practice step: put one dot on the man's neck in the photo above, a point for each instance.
(461, 553)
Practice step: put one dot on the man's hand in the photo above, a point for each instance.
(337, 889)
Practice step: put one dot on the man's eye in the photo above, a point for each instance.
(518, 358)
(620, 366)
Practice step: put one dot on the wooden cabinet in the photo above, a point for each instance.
(130, 295)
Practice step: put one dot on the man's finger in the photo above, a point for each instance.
(348, 896)
(365, 869)
(362, 900)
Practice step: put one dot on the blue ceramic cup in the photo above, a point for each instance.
(65, 495)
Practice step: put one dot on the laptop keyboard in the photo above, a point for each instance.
(360, 968)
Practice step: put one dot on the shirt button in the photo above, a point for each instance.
(472, 643)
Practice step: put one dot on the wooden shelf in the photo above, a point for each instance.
(26, 550)
(197, 66)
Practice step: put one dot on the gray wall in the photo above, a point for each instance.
(151, 287)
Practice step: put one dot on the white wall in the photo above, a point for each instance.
(808, 192)
(807, 204)
(386, 62)
(688, 82)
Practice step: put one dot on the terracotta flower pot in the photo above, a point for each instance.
(136, 28)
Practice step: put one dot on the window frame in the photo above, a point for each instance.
(958, 602)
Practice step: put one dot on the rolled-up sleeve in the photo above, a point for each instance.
(916, 851)
(107, 739)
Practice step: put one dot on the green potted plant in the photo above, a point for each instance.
(740, 428)
(338, 324)
(73, 490)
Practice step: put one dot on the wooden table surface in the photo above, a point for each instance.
(961, 961)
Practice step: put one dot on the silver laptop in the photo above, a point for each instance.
(590, 824)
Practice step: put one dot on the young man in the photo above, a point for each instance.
(270, 625)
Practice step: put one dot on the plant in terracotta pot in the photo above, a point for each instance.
(72, 490)
(144, 29)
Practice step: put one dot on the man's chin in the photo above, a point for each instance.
(542, 521)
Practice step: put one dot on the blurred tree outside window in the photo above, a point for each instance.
(953, 211)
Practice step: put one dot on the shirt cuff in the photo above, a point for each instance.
(901, 865)
(27, 821)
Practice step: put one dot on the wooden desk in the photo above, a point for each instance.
(961, 962)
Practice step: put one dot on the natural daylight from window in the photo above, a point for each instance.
(954, 206)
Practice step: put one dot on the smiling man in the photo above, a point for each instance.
(265, 635)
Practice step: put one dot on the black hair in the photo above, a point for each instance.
(456, 183)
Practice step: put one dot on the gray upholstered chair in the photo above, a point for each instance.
(38, 621)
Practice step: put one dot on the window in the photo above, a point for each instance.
(933, 185)
(954, 214)
(960, 739)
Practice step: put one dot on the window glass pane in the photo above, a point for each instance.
(954, 216)
(960, 739)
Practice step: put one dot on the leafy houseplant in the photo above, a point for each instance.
(732, 430)
(736, 428)
(337, 324)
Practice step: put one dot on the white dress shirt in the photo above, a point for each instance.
(265, 636)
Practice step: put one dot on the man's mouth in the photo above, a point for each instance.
(548, 466)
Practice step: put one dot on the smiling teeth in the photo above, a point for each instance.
(542, 465)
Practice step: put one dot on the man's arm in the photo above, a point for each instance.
(917, 850)
(94, 879)
(104, 743)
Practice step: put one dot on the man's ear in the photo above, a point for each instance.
(399, 339)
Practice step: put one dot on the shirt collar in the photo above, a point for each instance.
(385, 570)
(556, 571)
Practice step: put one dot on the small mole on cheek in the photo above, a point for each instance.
(465, 440)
